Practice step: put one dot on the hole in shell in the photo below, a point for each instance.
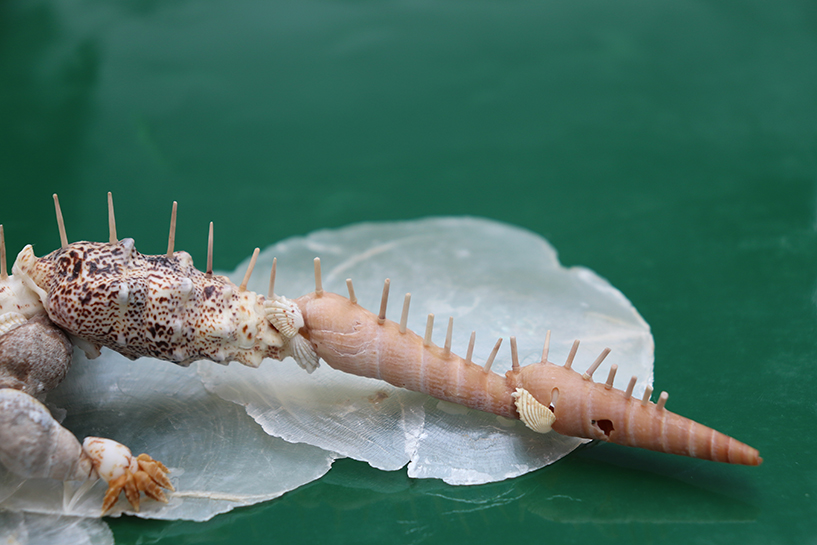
(606, 426)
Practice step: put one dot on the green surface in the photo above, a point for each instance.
(669, 146)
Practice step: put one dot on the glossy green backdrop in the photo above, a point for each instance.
(669, 146)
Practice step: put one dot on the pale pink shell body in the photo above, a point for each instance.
(354, 340)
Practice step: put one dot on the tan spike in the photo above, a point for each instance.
(404, 314)
(492, 356)
(629, 392)
(554, 397)
(247, 275)
(171, 239)
(3, 271)
(611, 376)
(546, 348)
(272, 272)
(60, 223)
(384, 299)
(351, 288)
(471, 342)
(662, 400)
(647, 394)
(318, 281)
(448, 333)
(210, 250)
(429, 329)
(588, 375)
(572, 354)
(111, 220)
(514, 355)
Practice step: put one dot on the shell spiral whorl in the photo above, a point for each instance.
(34, 445)
(34, 356)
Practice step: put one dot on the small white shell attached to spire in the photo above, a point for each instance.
(304, 354)
(284, 315)
(536, 416)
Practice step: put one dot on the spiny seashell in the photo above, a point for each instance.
(352, 339)
(157, 306)
(535, 415)
(34, 445)
(161, 306)
(34, 357)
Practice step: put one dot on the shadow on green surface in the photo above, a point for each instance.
(599, 485)
(612, 484)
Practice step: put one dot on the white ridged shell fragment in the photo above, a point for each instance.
(536, 416)
(304, 354)
(284, 315)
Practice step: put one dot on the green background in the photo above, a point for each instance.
(669, 146)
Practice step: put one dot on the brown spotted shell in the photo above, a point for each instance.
(153, 306)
